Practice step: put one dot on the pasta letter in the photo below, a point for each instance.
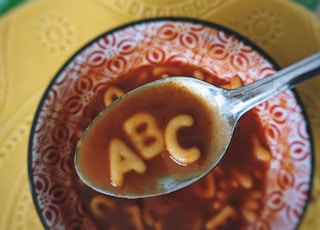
(179, 154)
(123, 160)
(102, 206)
(234, 83)
(111, 95)
(221, 218)
(145, 134)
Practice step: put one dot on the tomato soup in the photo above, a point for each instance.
(231, 196)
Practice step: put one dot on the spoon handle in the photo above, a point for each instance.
(255, 93)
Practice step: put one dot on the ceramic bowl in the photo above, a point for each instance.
(263, 182)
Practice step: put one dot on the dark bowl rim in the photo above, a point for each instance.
(206, 23)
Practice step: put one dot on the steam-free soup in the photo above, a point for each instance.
(230, 197)
(165, 132)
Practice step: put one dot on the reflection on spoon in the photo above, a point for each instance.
(169, 133)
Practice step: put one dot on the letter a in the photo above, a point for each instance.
(123, 160)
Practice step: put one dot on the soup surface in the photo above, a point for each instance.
(152, 139)
(231, 196)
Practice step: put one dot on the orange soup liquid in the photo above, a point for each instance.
(230, 197)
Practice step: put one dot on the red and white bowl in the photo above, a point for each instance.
(66, 108)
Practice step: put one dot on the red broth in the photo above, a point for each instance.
(164, 131)
(231, 196)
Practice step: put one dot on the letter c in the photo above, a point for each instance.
(177, 153)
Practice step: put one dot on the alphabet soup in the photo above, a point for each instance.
(159, 134)
(165, 130)
(262, 182)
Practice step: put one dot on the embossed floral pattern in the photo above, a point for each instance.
(163, 8)
(56, 33)
(264, 26)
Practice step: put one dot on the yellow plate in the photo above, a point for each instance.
(38, 37)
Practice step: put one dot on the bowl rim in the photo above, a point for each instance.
(202, 22)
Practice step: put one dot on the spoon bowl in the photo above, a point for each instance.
(183, 159)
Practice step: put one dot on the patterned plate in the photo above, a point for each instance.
(74, 98)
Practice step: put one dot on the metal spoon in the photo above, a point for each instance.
(231, 105)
